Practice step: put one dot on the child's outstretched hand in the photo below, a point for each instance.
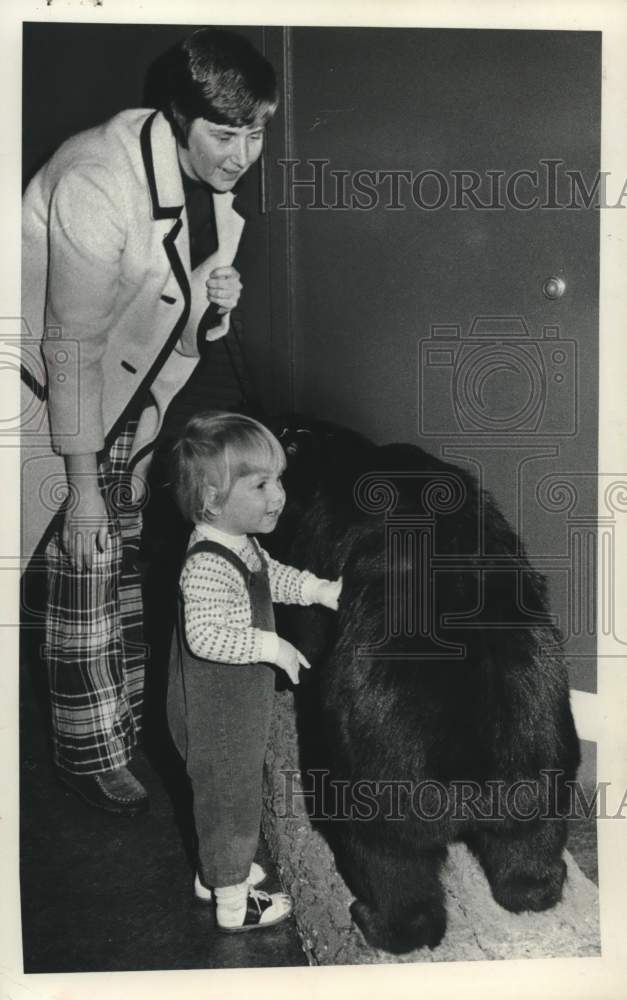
(291, 660)
(329, 593)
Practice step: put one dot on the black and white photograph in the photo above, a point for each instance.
(317, 494)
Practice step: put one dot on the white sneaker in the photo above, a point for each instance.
(256, 876)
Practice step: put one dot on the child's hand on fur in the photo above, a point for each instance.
(329, 593)
(291, 660)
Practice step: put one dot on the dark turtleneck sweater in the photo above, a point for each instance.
(203, 240)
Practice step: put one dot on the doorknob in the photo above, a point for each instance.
(554, 287)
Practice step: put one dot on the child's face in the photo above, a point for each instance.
(253, 505)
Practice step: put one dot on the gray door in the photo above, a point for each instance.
(438, 267)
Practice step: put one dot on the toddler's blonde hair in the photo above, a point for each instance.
(213, 451)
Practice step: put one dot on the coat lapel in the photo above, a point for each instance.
(167, 196)
(229, 226)
(158, 149)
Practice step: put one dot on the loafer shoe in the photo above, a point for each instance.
(116, 791)
(256, 876)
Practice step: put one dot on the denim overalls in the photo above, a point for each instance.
(219, 716)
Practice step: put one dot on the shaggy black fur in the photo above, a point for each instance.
(481, 698)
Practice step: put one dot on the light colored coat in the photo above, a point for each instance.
(106, 299)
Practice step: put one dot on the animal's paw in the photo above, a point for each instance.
(423, 924)
(530, 892)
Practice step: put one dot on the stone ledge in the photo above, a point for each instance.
(478, 928)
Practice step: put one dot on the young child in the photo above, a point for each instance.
(226, 473)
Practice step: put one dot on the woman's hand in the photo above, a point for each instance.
(86, 524)
(224, 288)
(329, 593)
(86, 529)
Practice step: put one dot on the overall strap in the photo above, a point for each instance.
(220, 550)
(257, 581)
(259, 553)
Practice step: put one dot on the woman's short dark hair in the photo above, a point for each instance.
(214, 74)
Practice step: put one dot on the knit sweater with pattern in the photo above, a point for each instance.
(216, 606)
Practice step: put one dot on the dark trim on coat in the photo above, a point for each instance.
(37, 389)
(178, 270)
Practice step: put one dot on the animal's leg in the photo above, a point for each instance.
(524, 863)
(400, 900)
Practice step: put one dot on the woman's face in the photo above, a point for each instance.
(220, 154)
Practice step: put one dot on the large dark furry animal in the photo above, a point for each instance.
(449, 730)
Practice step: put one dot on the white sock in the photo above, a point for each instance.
(231, 904)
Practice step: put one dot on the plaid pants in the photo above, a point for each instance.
(95, 652)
